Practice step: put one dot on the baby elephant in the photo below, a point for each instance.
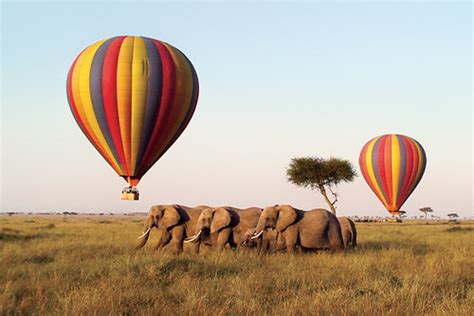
(267, 241)
(349, 232)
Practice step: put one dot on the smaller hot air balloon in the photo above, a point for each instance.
(392, 165)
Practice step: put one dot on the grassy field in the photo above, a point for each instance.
(87, 265)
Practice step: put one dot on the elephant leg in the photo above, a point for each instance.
(346, 239)
(163, 240)
(268, 247)
(261, 246)
(177, 237)
(349, 241)
(278, 246)
(236, 242)
(222, 239)
(290, 241)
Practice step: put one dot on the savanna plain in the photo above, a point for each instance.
(88, 265)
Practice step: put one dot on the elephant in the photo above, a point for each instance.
(349, 232)
(225, 225)
(174, 223)
(315, 229)
(268, 241)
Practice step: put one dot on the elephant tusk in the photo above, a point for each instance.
(145, 233)
(193, 238)
(255, 236)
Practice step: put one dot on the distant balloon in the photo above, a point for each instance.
(393, 166)
(132, 97)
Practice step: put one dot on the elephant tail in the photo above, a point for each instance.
(354, 234)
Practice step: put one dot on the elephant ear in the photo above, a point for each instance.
(170, 217)
(220, 219)
(286, 217)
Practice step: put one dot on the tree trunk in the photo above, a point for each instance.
(324, 193)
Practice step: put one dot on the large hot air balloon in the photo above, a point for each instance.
(132, 97)
(392, 165)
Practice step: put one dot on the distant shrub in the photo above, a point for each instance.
(9, 230)
(49, 226)
(39, 259)
(69, 213)
(10, 236)
(458, 229)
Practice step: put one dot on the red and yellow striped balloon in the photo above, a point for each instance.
(393, 166)
(132, 97)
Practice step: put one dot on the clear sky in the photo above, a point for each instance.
(277, 80)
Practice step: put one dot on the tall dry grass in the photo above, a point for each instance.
(87, 265)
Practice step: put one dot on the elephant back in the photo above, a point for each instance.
(318, 217)
(248, 218)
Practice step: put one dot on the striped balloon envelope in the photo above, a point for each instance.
(132, 97)
(392, 165)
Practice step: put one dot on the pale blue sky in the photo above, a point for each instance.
(277, 80)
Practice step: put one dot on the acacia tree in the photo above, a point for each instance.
(453, 216)
(426, 210)
(321, 175)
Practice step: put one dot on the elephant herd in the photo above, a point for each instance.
(273, 229)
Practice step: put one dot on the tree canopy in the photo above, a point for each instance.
(426, 210)
(318, 174)
(312, 172)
